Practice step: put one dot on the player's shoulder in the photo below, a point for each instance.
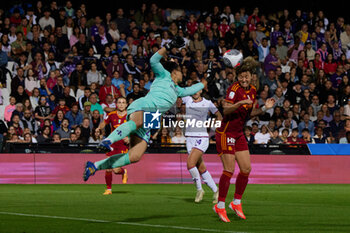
(112, 113)
(252, 88)
(207, 101)
(185, 99)
(234, 87)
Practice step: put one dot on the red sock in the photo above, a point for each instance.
(224, 185)
(108, 178)
(241, 184)
(120, 172)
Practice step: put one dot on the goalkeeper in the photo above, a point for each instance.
(161, 97)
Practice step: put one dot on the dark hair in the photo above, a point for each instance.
(249, 65)
(305, 130)
(170, 66)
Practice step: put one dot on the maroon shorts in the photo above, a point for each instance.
(229, 143)
(118, 148)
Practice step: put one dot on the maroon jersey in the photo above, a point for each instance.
(234, 123)
(115, 120)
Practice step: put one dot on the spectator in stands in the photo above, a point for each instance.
(94, 104)
(56, 123)
(115, 65)
(93, 75)
(336, 125)
(78, 78)
(108, 89)
(3, 57)
(101, 39)
(345, 37)
(178, 137)
(135, 94)
(74, 117)
(275, 138)
(293, 138)
(346, 139)
(86, 112)
(3, 133)
(263, 50)
(18, 80)
(27, 121)
(64, 130)
(19, 45)
(42, 112)
(263, 136)
(20, 94)
(47, 20)
(18, 110)
(306, 137)
(278, 97)
(271, 82)
(320, 137)
(196, 43)
(85, 130)
(95, 120)
(15, 122)
(271, 61)
(9, 109)
(248, 135)
(61, 106)
(96, 136)
(56, 138)
(306, 124)
(131, 68)
(39, 66)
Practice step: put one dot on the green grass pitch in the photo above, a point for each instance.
(170, 208)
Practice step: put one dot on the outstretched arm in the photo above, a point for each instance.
(182, 92)
(157, 67)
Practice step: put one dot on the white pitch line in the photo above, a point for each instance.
(120, 223)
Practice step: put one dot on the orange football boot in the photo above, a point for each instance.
(237, 209)
(107, 192)
(222, 213)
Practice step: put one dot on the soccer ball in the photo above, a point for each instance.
(233, 58)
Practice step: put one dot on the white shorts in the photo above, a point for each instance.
(200, 143)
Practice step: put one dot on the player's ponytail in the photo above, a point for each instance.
(249, 64)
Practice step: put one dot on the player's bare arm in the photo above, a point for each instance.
(230, 108)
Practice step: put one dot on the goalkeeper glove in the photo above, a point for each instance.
(176, 42)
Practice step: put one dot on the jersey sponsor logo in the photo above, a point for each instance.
(231, 95)
(231, 141)
(151, 120)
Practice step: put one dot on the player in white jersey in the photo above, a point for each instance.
(197, 141)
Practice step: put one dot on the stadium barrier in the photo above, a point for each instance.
(40, 168)
(279, 149)
(329, 149)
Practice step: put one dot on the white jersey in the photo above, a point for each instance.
(197, 111)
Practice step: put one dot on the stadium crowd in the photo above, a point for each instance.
(61, 69)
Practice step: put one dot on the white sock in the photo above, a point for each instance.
(209, 181)
(221, 205)
(196, 177)
(236, 201)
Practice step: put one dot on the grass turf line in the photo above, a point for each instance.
(269, 208)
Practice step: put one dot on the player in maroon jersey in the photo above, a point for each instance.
(116, 118)
(240, 103)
